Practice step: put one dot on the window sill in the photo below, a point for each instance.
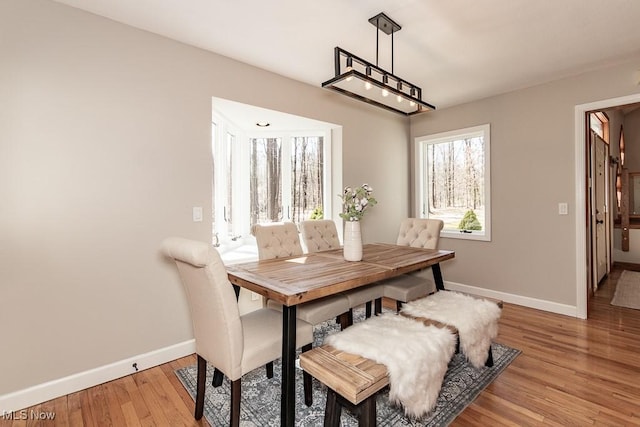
(464, 236)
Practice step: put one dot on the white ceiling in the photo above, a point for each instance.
(246, 118)
(456, 50)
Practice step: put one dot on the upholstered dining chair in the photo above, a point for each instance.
(233, 344)
(418, 233)
(321, 235)
(279, 240)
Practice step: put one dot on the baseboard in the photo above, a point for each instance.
(627, 265)
(25, 398)
(553, 307)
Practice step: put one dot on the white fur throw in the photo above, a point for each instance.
(476, 320)
(416, 356)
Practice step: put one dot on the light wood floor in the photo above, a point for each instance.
(570, 372)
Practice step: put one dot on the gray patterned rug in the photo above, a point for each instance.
(260, 404)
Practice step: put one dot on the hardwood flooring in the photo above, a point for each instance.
(571, 372)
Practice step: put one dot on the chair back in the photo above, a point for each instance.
(319, 235)
(420, 233)
(212, 301)
(277, 240)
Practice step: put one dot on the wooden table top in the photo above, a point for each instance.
(307, 277)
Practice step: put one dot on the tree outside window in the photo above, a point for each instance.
(271, 175)
(263, 179)
(453, 181)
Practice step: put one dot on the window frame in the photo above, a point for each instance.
(227, 230)
(603, 119)
(421, 191)
(287, 138)
(240, 226)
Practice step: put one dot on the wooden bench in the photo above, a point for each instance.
(352, 382)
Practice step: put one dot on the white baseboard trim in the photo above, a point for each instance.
(25, 398)
(553, 307)
(34, 395)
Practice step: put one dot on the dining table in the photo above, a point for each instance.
(298, 279)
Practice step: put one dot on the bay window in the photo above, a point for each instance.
(267, 177)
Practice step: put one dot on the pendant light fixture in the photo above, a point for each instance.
(362, 80)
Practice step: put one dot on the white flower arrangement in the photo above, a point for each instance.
(355, 201)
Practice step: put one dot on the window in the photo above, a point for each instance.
(286, 190)
(453, 181)
(225, 181)
(599, 123)
(272, 177)
(307, 177)
(265, 180)
(214, 135)
(227, 209)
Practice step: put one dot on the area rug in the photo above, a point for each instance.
(628, 290)
(260, 405)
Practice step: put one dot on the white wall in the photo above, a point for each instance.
(633, 254)
(104, 150)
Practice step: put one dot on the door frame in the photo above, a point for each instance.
(593, 164)
(581, 192)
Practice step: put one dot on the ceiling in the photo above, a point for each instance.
(246, 118)
(456, 50)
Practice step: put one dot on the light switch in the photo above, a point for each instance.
(197, 214)
(563, 209)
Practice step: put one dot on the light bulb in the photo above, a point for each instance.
(399, 98)
(385, 92)
(349, 67)
(367, 85)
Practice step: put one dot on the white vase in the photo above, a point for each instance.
(352, 248)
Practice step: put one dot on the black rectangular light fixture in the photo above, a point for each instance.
(367, 82)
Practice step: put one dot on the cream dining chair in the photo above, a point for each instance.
(233, 344)
(321, 235)
(418, 233)
(279, 240)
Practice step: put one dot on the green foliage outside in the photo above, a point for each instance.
(318, 213)
(470, 221)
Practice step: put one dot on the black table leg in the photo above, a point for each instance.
(288, 413)
(437, 276)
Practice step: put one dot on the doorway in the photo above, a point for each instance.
(585, 273)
